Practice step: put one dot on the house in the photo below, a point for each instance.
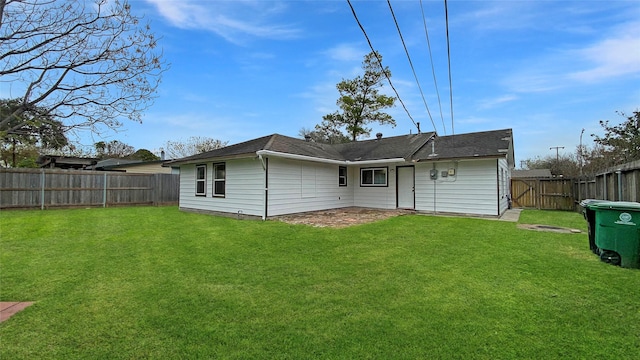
(276, 175)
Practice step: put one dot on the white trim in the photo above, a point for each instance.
(373, 176)
(326, 161)
(200, 180)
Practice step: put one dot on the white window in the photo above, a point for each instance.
(342, 176)
(373, 177)
(219, 179)
(201, 180)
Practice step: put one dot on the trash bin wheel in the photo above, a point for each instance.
(610, 257)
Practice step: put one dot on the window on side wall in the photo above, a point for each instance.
(201, 180)
(219, 179)
(342, 176)
(373, 177)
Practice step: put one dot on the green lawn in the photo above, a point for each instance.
(149, 282)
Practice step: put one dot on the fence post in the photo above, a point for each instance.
(42, 182)
(156, 190)
(104, 191)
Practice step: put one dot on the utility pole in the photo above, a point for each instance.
(556, 147)
(581, 156)
(557, 165)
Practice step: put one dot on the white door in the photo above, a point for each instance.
(405, 187)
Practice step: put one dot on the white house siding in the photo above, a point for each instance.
(472, 190)
(504, 184)
(244, 188)
(301, 186)
(378, 197)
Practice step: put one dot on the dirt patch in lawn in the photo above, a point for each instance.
(340, 218)
(549, 228)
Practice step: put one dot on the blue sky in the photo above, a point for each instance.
(245, 69)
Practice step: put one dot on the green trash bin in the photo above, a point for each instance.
(590, 215)
(617, 233)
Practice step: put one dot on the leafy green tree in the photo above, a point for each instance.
(360, 102)
(87, 63)
(18, 155)
(30, 130)
(144, 155)
(622, 141)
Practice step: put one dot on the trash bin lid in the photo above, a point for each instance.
(616, 205)
(589, 202)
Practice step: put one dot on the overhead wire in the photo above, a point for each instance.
(446, 19)
(433, 70)
(411, 64)
(353, 11)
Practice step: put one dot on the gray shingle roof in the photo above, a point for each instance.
(244, 148)
(413, 146)
(289, 145)
(385, 148)
(479, 144)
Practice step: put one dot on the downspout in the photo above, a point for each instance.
(434, 191)
(498, 178)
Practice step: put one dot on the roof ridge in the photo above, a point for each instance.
(270, 142)
(477, 132)
(418, 148)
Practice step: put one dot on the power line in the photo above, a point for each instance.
(411, 64)
(446, 17)
(353, 11)
(433, 70)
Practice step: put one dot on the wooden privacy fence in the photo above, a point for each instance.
(549, 194)
(620, 183)
(50, 188)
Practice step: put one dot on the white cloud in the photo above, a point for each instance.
(611, 57)
(345, 52)
(235, 21)
(497, 15)
(618, 55)
(493, 102)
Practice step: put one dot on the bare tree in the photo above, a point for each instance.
(324, 134)
(192, 146)
(113, 149)
(88, 63)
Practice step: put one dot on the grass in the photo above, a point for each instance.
(145, 282)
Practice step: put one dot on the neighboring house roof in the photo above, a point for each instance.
(408, 147)
(132, 165)
(65, 162)
(109, 163)
(533, 173)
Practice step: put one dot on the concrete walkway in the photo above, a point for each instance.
(512, 215)
(10, 308)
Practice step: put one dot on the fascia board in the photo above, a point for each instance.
(325, 161)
